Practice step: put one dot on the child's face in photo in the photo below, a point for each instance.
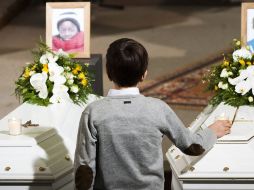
(67, 30)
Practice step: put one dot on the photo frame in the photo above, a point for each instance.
(68, 27)
(247, 24)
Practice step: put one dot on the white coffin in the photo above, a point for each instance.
(228, 165)
(42, 157)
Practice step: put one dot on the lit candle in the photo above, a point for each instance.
(14, 126)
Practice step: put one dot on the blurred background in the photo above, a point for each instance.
(183, 38)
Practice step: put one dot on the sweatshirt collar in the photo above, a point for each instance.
(123, 92)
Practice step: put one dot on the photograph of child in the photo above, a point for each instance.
(250, 29)
(68, 30)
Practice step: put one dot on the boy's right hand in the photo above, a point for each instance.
(221, 127)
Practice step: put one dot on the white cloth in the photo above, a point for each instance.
(124, 91)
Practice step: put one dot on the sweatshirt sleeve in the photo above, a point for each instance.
(85, 155)
(188, 142)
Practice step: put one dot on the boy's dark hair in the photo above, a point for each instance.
(126, 62)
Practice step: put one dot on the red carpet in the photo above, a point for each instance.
(185, 86)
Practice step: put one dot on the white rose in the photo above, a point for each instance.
(70, 82)
(69, 75)
(74, 88)
(223, 86)
(230, 73)
(224, 73)
(250, 98)
(67, 68)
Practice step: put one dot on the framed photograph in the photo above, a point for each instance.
(68, 27)
(247, 24)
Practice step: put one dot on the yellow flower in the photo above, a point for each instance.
(81, 76)
(84, 82)
(238, 43)
(33, 68)
(215, 87)
(242, 62)
(75, 71)
(45, 68)
(78, 67)
(225, 63)
(248, 63)
(26, 74)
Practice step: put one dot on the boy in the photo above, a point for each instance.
(119, 139)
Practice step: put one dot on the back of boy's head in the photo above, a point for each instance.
(126, 62)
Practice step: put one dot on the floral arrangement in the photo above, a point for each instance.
(232, 81)
(53, 78)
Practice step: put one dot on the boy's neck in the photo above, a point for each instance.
(116, 87)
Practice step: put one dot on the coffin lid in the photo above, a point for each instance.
(42, 153)
(230, 158)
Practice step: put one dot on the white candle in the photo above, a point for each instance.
(222, 116)
(14, 126)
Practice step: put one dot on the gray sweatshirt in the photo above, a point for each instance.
(119, 143)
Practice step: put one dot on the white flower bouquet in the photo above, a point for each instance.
(232, 81)
(53, 78)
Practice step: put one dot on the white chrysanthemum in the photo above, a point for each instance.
(242, 53)
(223, 86)
(250, 99)
(74, 89)
(38, 82)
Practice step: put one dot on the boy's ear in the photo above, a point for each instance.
(144, 76)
